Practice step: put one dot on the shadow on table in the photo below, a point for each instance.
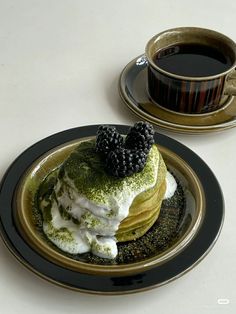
(113, 97)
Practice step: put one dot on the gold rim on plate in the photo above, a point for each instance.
(30, 182)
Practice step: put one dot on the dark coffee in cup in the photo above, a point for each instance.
(188, 68)
(192, 60)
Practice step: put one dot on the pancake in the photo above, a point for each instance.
(142, 223)
(143, 209)
(90, 210)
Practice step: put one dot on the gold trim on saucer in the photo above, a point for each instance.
(225, 103)
(135, 96)
(25, 195)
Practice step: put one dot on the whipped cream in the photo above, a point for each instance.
(171, 186)
(91, 226)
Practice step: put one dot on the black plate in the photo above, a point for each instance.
(173, 268)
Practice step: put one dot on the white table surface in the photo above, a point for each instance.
(59, 66)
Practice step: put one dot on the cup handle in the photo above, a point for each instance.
(230, 84)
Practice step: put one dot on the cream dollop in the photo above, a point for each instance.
(98, 239)
(91, 227)
(171, 185)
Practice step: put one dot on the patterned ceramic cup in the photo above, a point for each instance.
(188, 94)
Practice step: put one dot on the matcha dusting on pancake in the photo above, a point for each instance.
(155, 241)
(85, 168)
(109, 190)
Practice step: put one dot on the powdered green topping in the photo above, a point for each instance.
(90, 221)
(62, 234)
(86, 169)
(86, 205)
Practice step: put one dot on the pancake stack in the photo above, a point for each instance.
(100, 199)
(144, 210)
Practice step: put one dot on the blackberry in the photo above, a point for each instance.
(108, 139)
(105, 128)
(140, 136)
(124, 162)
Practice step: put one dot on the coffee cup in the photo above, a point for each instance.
(191, 70)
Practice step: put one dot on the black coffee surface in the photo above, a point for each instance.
(192, 60)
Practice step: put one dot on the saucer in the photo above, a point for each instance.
(197, 233)
(133, 91)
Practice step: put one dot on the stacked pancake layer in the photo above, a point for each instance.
(89, 210)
